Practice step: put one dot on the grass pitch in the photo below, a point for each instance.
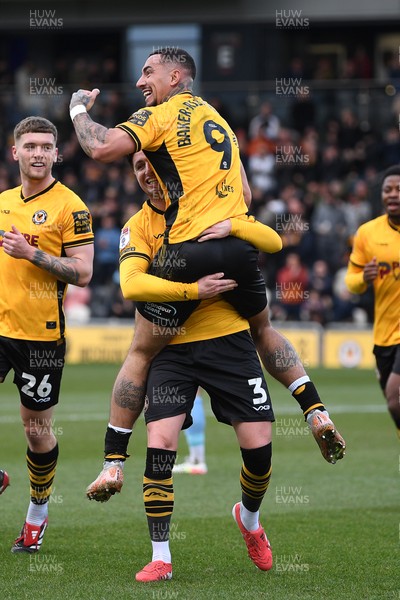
(334, 530)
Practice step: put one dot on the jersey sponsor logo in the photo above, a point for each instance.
(159, 310)
(124, 238)
(140, 117)
(6, 211)
(222, 187)
(81, 222)
(385, 268)
(158, 236)
(39, 217)
(33, 240)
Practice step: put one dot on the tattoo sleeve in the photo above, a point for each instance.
(63, 268)
(128, 395)
(91, 135)
(282, 358)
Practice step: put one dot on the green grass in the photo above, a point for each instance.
(334, 529)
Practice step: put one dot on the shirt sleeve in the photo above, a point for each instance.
(145, 127)
(137, 284)
(136, 255)
(77, 224)
(354, 278)
(259, 235)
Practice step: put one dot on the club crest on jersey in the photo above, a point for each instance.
(125, 237)
(39, 217)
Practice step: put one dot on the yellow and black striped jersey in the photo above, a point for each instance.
(141, 238)
(379, 238)
(31, 298)
(195, 156)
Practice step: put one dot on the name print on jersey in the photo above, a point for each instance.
(183, 122)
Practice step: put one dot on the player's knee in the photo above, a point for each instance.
(392, 397)
(392, 392)
(157, 438)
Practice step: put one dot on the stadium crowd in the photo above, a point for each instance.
(314, 178)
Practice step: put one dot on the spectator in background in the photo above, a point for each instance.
(261, 169)
(93, 181)
(329, 225)
(291, 286)
(362, 63)
(330, 164)
(349, 133)
(267, 121)
(316, 308)
(320, 278)
(106, 246)
(294, 229)
(357, 210)
(391, 147)
(303, 111)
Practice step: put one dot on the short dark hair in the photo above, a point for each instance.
(35, 125)
(394, 170)
(178, 56)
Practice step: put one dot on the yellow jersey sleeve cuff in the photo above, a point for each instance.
(259, 235)
(355, 283)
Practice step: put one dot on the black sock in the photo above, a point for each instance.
(255, 475)
(116, 444)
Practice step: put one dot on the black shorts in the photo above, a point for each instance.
(387, 361)
(228, 369)
(37, 367)
(189, 261)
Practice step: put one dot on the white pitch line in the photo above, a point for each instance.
(288, 410)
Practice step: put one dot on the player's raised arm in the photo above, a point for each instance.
(99, 142)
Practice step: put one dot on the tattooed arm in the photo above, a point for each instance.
(75, 268)
(99, 142)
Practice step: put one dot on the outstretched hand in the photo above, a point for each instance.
(85, 97)
(212, 285)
